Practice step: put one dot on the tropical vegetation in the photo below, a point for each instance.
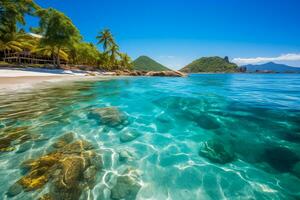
(210, 64)
(59, 38)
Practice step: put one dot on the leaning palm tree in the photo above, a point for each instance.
(106, 38)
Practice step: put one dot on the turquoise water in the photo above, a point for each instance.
(223, 136)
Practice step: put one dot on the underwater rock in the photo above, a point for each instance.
(72, 168)
(296, 169)
(14, 190)
(35, 179)
(24, 147)
(66, 181)
(280, 158)
(46, 197)
(12, 137)
(201, 118)
(110, 116)
(129, 136)
(166, 73)
(76, 147)
(64, 169)
(93, 159)
(292, 136)
(40, 171)
(126, 188)
(64, 140)
(90, 173)
(125, 155)
(217, 152)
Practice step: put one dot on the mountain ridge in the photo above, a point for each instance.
(145, 63)
(271, 66)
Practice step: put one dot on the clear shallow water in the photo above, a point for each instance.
(201, 137)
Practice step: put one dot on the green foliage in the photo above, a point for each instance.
(210, 64)
(13, 12)
(106, 38)
(144, 63)
(60, 38)
(125, 61)
(58, 31)
(112, 58)
(17, 42)
(85, 54)
(111, 49)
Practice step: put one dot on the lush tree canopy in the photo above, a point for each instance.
(60, 39)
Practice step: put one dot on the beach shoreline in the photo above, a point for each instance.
(18, 79)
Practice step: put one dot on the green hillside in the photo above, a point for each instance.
(144, 63)
(210, 64)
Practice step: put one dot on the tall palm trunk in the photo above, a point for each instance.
(19, 60)
(54, 59)
(58, 58)
(4, 55)
(53, 56)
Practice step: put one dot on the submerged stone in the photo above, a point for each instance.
(72, 168)
(14, 190)
(296, 169)
(129, 136)
(12, 137)
(110, 116)
(46, 197)
(90, 173)
(125, 155)
(64, 169)
(77, 147)
(217, 152)
(64, 140)
(39, 171)
(292, 136)
(35, 180)
(126, 188)
(24, 147)
(280, 158)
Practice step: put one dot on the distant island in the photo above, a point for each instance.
(270, 67)
(144, 63)
(211, 64)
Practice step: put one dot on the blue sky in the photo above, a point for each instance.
(175, 32)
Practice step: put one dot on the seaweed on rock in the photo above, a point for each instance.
(110, 116)
(11, 137)
(68, 169)
(217, 152)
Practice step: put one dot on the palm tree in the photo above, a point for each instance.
(125, 61)
(16, 42)
(113, 53)
(50, 51)
(106, 38)
(13, 12)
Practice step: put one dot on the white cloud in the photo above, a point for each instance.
(281, 58)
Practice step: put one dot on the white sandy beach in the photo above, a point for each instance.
(15, 78)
